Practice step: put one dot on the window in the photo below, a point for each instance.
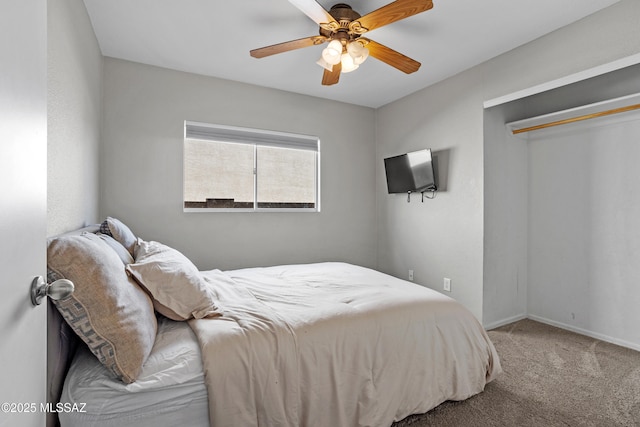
(238, 169)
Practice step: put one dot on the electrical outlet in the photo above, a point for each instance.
(447, 284)
(411, 275)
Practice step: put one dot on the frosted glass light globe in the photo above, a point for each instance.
(358, 52)
(348, 65)
(331, 54)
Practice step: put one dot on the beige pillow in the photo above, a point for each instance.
(107, 310)
(178, 290)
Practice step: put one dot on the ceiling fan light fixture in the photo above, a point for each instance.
(358, 52)
(324, 64)
(331, 54)
(348, 64)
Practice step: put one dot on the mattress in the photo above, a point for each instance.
(169, 391)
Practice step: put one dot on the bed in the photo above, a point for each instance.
(325, 344)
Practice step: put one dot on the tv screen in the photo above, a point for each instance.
(410, 172)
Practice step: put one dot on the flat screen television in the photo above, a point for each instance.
(410, 172)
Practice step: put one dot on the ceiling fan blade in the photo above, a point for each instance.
(313, 10)
(287, 46)
(393, 12)
(331, 77)
(391, 57)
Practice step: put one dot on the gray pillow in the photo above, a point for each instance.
(118, 230)
(122, 252)
(107, 310)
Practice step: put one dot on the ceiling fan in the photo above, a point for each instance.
(342, 27)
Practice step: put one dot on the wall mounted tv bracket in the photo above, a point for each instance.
(432, 196)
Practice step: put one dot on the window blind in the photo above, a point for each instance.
(240, 135)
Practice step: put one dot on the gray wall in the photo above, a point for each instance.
(506, 213)
(74, 116)
(141, 169)
(456, 235)
(440, 237)
(584, 232)
(603, 37)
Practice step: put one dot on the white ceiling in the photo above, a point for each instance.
(214, 37)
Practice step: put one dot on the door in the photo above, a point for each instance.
(23, 211)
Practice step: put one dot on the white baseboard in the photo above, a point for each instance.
(598, 336)
(503, 322)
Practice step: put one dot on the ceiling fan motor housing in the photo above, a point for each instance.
(344, 15)
(343, 12)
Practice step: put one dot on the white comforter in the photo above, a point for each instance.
(333, 345)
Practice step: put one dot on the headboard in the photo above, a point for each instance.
(61, 345)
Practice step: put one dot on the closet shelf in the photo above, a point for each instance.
(572, 115)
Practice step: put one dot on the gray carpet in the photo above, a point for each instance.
(551, 377)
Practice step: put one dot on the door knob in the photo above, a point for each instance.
(57, 290)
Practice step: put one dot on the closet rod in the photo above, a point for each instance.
(579, 118)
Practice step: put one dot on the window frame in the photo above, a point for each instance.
(252, 137)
